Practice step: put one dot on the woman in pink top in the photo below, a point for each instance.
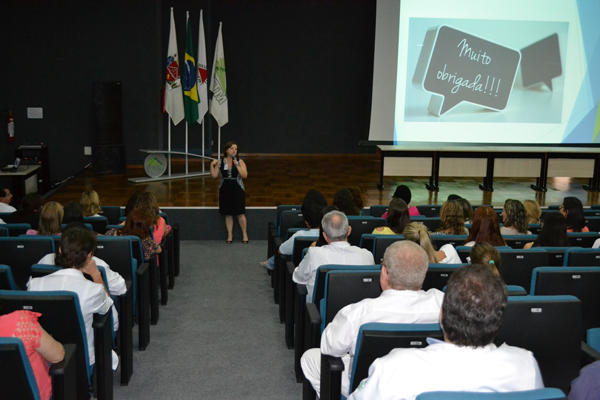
(403, 192)
(41, 348)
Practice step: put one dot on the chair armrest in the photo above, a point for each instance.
(143, 305)
(103, 349)
(126, 333)
(299, 324)
(331, 377)
(313, 330)
(588, 354)
(64, 376)
(290, 304)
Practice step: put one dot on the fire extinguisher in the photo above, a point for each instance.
(11, 127)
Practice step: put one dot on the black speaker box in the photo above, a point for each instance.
(108, 159)
(108, 113)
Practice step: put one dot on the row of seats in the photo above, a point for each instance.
(147, 283)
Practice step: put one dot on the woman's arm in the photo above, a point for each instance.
(52, 350)
(214, 169)
(241, 167)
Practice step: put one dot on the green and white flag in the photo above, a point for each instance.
(218, 84)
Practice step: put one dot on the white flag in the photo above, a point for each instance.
(218, 84)
(202, 74)
(173, 91)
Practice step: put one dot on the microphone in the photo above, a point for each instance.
(232, 159)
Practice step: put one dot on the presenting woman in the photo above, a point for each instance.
(232, 195)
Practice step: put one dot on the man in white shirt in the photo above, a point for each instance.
(402, 301)
(467, 359)
(337, 251)
(312, 217)
(5, 198)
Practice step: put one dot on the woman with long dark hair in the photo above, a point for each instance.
(344, 200)
(553, 232)
(397, 219)
(572, 209)
(486, 228)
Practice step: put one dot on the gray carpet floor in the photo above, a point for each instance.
(219, 337)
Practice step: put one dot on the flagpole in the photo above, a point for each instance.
(203, 145)
(186, 147)
(219, 146)
(169, 118)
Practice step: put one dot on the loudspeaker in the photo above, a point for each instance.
(108, 113)
(108, 159)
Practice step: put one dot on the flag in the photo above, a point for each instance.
(173, 94)
(218, 84)
(202, 74)
(190, 90)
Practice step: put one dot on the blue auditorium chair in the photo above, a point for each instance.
(98, 223)
(361, 225)
(112, 213)
(20, 253)
(578, 257)
(517, 265)
(6, 278)
(537, 394)
(377, 211)
(381, 243)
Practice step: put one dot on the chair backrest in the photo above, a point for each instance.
(536, 394)
(581, 282)
(319, 288)
(549, 327)
(347, 287)
(367, 240)
(518, 241)
(376, 340)
(455, 240)
(281, 209)
(432, 223)
(362, 225)
(593, 222)
(381, 243)
(438, 274)
(582, 239)
(20, 253)
(377, 211)
(291, 219)
(301, 243)
(577, 257)
(535, 228)
(117, 252)
(3, 232)
(517, 265)
(15, 230)
(61, 317)
(292, 231)
(429, 210)
(112, 213)
(17, 380)
(98, 223)
(7, 281)
(556, 255)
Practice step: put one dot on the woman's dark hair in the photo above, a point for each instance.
(357, 196)
(344, 201)
(227, 146)
(452, 218)
(486, 254)
(553, 232)
(486, 227)
(32, 203)
(148, 204)
(72, 212)
(321, 241)
(137, 224)
(131, 202)
(575, 216)
(516, 215)
(75, 245)
(398, 216)
(313, 196)
(403, 192)
(473, 306)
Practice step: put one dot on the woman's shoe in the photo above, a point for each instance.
(229, 241)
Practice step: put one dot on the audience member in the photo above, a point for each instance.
(587, 385)
(572, 209)
(313, 197)
(534, 212)
(344, 200)
(312, 215)
(452, 220)
(5, 199)
(486, 228)
(51, 218)
(131, 203)
(403, 192)
(453, 197)
(402, 301)
(398, 217)
(41, 348)
(357, 198)
(147, 203)
(418, 233)
(321, 241)
(90, 203)
(75, 257)
(467, 359)
(486, 254)
(514, 218)
(467, 210)
(337, 251)
(138, 224)
(29, 212)
(73, 216)
(553, 232)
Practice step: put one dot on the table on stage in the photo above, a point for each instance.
(24, 181)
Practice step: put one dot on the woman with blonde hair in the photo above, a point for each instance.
(418, 233)
(452, 219)
(534, 211)
(147, 203)
(51, 218)
(90, 203)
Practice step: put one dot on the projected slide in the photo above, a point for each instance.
(473, 71)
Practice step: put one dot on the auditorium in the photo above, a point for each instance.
(300, 199)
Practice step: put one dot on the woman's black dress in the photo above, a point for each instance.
(232, 196)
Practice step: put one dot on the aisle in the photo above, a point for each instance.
(218, 338)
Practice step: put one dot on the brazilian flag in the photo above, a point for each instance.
(190, 90)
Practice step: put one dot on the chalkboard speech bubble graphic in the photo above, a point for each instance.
(455, 66)
(541, 62)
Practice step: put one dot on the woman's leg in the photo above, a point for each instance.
(229, 225)
(242, 221)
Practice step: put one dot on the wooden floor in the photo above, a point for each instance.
(285, 179)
